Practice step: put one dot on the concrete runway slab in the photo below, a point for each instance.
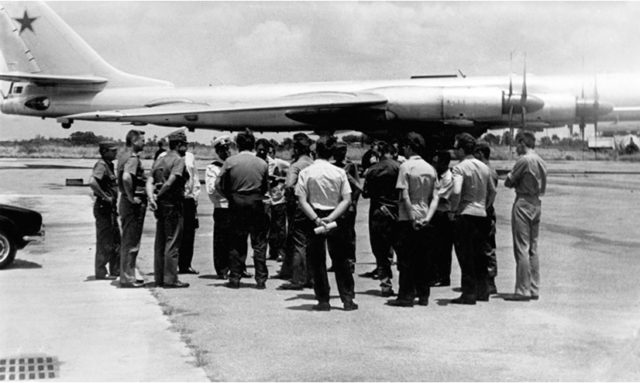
(584, 328)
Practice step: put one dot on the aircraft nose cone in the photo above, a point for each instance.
(605, 108)
(534, 104)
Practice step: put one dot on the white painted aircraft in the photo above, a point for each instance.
(53, 73)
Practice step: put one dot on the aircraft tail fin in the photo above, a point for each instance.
(35, 40)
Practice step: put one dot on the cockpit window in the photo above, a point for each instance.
(17, 90)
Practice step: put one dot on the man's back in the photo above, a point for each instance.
(244, 173)
(476, 186)
(419, 178)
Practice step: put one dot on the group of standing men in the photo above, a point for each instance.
(422, 211)
(417, 209)
(126, 192)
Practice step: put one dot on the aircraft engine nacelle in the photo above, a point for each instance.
(437, 104)
(558, 109)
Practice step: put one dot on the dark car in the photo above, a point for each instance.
(18, 227)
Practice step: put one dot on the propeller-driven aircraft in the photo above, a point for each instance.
(54, 73)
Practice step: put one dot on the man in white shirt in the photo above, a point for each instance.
(224, 148)
(324, 195)
(191, 194)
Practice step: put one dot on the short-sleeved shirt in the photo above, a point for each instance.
(166, 166)
(354, 178)
(380, 183)
(445, 187)
(192, 185)
(419, 178)
(105, 175)
(322, 184)
(292, 176)
(528, 176)
(129, 162)
(243, 173)
(477, 187)
(211, 174)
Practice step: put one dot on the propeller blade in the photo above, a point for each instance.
(596, 107)
(510, 74)
(511, 130)
(524, 117)
(582, 92)
(523, 98)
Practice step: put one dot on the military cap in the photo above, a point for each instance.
(179, 136)
(222, 140)
(107, 145)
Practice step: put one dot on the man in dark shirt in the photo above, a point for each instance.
(243, 180)
(132, 206)
(380, 186)
(340, 160)
(295, 264)
(165, 189)
(105, 188)
(370, 157)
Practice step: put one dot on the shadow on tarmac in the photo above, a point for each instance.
(22, 264)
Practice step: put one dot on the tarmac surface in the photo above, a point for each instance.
(583, 328)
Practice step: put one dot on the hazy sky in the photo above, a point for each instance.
(202, 43)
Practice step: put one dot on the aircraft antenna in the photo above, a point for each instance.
(596, 107)
(510, 104)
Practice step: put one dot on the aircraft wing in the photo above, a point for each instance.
(42, 79)
(313, 107)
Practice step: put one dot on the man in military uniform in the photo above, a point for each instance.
(105, 188)
(295, 265)
(132, 206)
(165, 188)
(380, 186)
(341, 161)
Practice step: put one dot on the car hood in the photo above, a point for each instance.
(27, 222)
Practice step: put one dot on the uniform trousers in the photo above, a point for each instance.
(277, 230)
(442, 247)
(188, 235)
(169, 226)
(132, 220)
(525, 224)
(301, 272)
(414, 261)
(107, 239)
(382, 239)
(248, 219)
(349, 219)
(338, 242)
(471, 243)
(221, 240)
(286, 270)
(492, 267)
